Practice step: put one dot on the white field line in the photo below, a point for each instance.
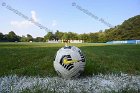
(94, 84)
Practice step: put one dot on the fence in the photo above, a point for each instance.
(124, 42)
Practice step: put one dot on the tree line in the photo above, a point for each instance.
(90, 37)
(128, 30)
(12, 37)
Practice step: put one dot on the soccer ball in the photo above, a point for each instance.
(69, 62)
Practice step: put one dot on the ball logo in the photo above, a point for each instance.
(66, 62)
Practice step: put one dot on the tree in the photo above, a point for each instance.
(65, 36)
(39, 39)
(84, 37)
(101, 37)
(23, 39)
(72, 36)
(1, 36)
(75, 36)
(128, 30)
(58, 35)
(11, 37)
(93, 38)
(29, 38)
(49, 36)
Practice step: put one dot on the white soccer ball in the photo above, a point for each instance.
(69, 62)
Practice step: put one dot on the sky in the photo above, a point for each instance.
(64, 15)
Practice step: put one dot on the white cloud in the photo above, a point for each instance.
(25, 23)
(34, 16)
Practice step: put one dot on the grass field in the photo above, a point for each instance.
(33, 59)
(36, 59)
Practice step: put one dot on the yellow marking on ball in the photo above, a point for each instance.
(66, 62)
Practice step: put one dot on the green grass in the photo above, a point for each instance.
(33, 59)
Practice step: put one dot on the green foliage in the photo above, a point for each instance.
(29, 38)
(23, 39)
(1, 37)
(39, 39)
(10, 37)
(84, 37)
(58, 35)
(49, 36)
(128, 30)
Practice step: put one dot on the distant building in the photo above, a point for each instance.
(54, 41)
(76, 41)
(65, 41)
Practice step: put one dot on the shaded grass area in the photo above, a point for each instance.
(27, 60)
(33, 59)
